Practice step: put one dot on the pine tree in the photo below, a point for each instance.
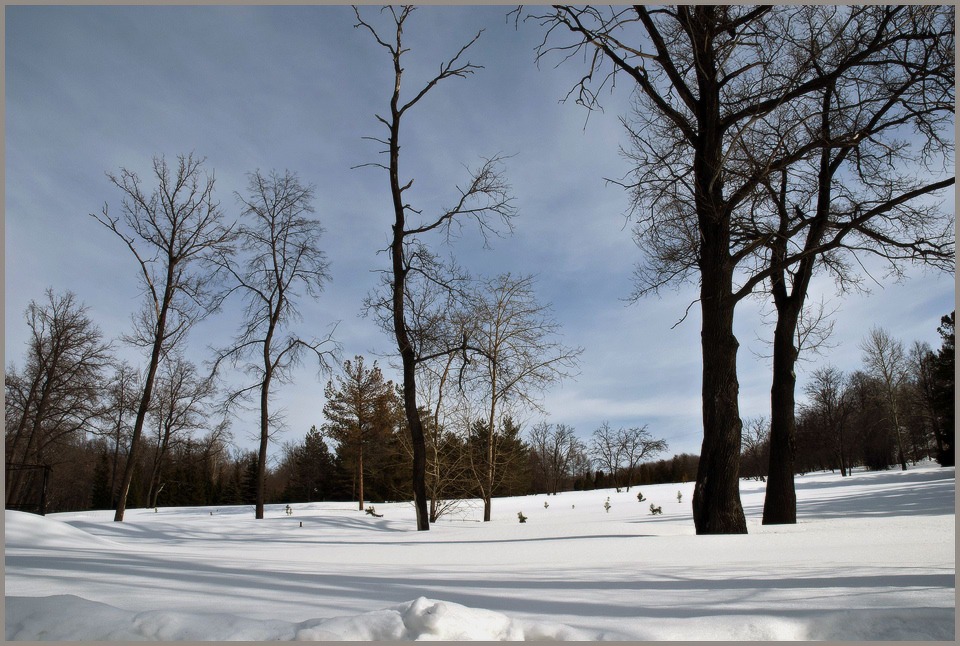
(100, 497)
(361, 415)
(944, 391)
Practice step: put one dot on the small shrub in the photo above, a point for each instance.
(606, 506)
(373, 512)
(640, 497)
(655, 510)
(679, 496)
(522, 518)
(546, 504)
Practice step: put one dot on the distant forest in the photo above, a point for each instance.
(79, 437)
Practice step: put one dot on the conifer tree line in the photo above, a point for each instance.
(767, 145)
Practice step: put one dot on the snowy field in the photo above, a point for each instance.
(872, 557)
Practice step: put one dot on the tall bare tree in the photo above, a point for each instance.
(755, 447)
(58, 392)
(829, 400)
(282, 263)
(484, 199)
(607, 451)
(710, 81)
(638, 445)
(170, 232)
(556, 449)
(884, 359)
(521, 356)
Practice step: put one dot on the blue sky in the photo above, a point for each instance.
(90, 89)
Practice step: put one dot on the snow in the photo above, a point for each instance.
(872, 557)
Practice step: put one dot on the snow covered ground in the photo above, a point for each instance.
(872, 557)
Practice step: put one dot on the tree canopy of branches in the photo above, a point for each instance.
(121, 399)
(484, 200)
(283, 263)
(58, 391)
(829, 400)
(885, 360)
(170, 232)
(729, 99)
(520, 355)
(181, 405)
(557, 454)
(622, 450)
(360, 412)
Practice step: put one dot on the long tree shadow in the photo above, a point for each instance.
(921, 497)
(538, 594)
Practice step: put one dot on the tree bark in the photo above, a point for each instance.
(360, 471)
(780, 501)
(264, 437)
(407, 355)
(716, 494)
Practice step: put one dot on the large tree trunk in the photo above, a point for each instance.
(716, 495)
(780, 501)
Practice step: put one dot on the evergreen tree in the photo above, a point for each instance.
(944, 391)
(361, 415)
(100, 497)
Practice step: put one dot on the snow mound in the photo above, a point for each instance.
(68, 617)
(28, 531)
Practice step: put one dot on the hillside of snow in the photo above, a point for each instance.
(871, 558)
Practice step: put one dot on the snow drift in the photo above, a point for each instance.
(67, 617)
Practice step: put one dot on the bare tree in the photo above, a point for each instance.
(607, 449)
(557, 450)
(58, 392)
(283, 263)
(884, 359)
(122, 397)
(170, 232)
(710, 83)
(638, 444)
(830, 401)
(484, 200)
(755, 446)
(181, 404)
(856, 196)
(448, 482)
(520, 356)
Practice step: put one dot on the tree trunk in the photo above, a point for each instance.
(360, 472)
(145, 398)
(896, 426)
(264, 437)
(490, 452)
(716, 494)
(780, 501)
(116, 463)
